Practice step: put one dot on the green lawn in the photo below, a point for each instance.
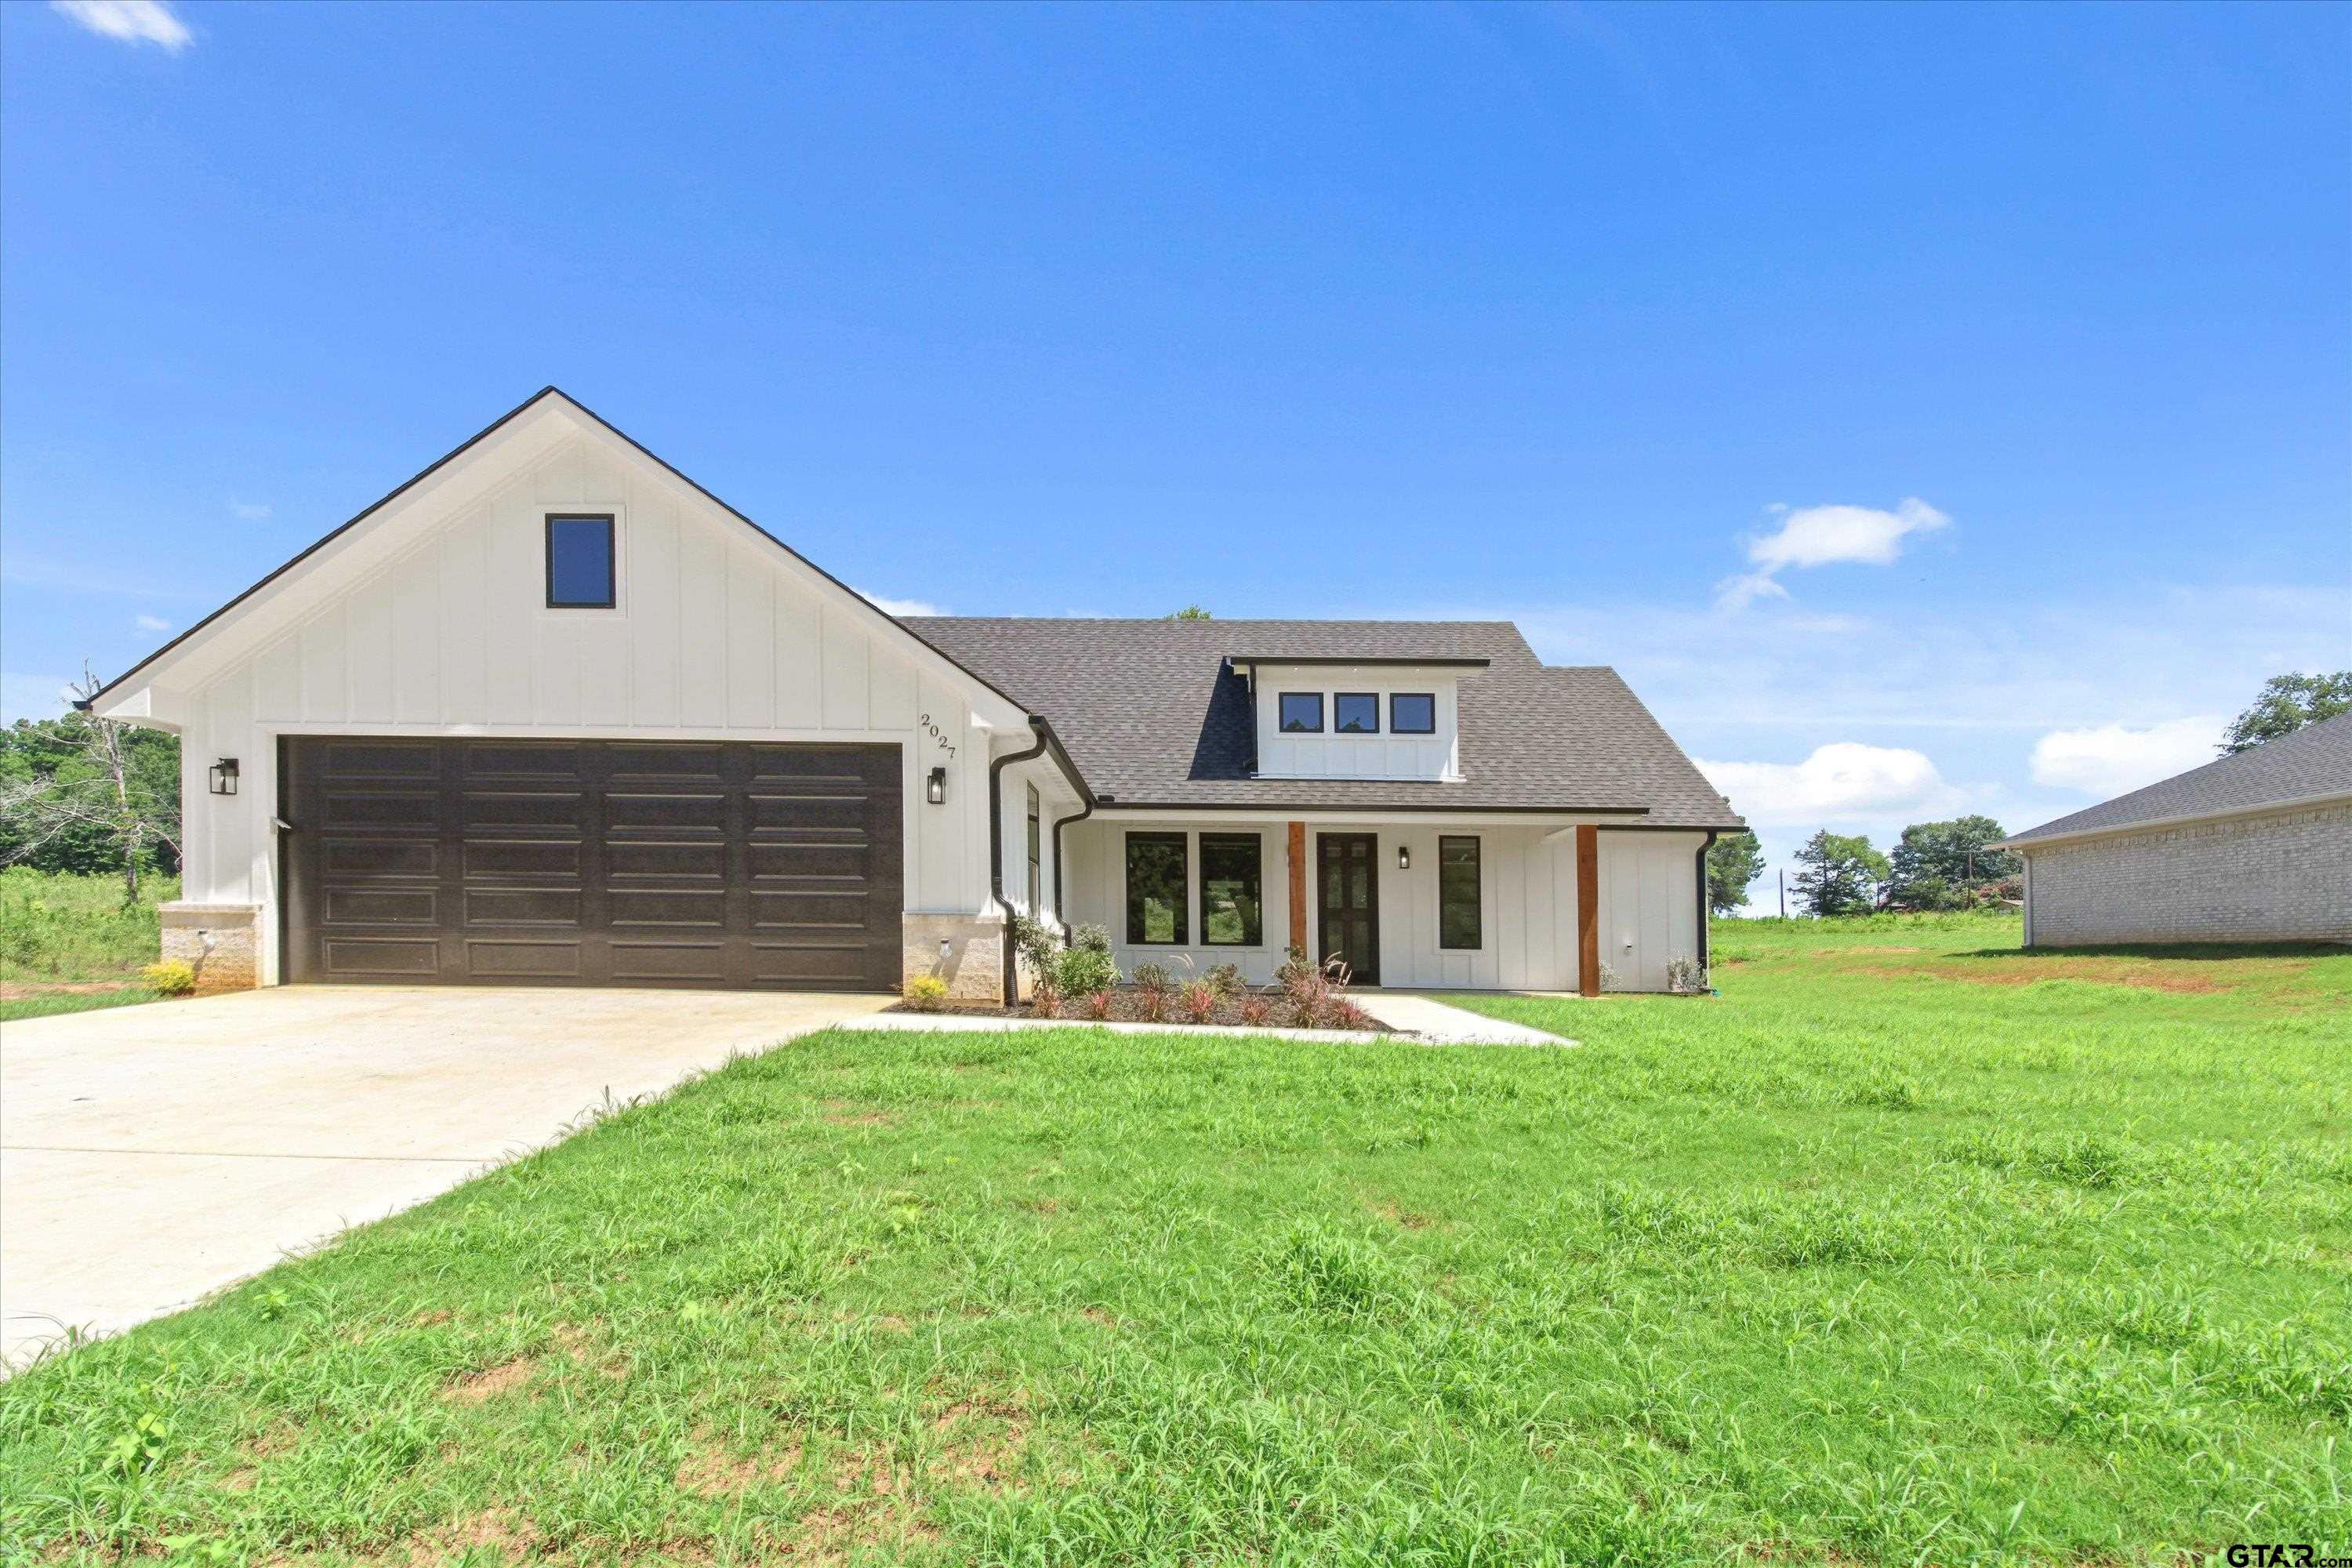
(1909, 1247)
(63, 936)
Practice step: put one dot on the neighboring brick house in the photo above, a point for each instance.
(553, 714)
(2253, 848)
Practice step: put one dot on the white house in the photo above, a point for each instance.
(551, 713)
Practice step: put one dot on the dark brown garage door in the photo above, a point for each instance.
(593, 863)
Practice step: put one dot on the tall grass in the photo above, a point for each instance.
(1901, 1251)
(60, 926)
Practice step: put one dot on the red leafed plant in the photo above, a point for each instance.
(1098, 1005)
(1200, 1002)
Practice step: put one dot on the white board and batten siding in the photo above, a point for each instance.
(1650, 910)
(717, 634)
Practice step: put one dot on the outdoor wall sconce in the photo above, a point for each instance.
(935, 791)
(1404, 858)
(224, 776)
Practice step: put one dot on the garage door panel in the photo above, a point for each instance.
(523, 906)
(676, 862)
(592, 862)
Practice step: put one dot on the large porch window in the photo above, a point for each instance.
(1458, 920)
(1231, 904)
(1155, 875)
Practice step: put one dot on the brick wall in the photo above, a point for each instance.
(2286, 877)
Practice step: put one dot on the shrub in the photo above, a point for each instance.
(1036, 941)
(926, 994)
(1089, 939)
(1153, 980)
(1343, 1013)
(1098, 1004)
(1079, 970)
(1045, 1000)
(1154, 1005)
(1225, 979)
(1686, 976)
(1200, 1002)
(1255, 1010)
(172, 977)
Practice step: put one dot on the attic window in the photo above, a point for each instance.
(1356, 712)
(1302, 712)
(580, 562)
(1413, 713)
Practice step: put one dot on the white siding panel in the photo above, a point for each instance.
(324, 694)
(702, 628)
(514, 602)
(751, 644)
(369, 678)
(844, 682)
(653, 610)
(278, 676)
(799, 659)
(465, 654)
(416, 638)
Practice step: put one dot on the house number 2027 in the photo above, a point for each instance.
(925, 724)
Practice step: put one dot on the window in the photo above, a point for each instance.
(580, 562)
(1356, 712)
(1302, 712)
(1036, 858)
(1155, 889)
(1229, 890)
(1413, 713)
(1458, 893)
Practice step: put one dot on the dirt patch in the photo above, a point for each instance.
(475, 1388)
(713, 1472)
(26, 990)
(1098, 1317)
(981, 1442)
(2139, 974)
(1043, 1206)
(1839, 951)
(1395, 1215)
(493, 1531)
(841, 1113)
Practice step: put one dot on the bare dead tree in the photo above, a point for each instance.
(125, 811)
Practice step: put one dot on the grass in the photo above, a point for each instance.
(1909, 1248)
(62, 934)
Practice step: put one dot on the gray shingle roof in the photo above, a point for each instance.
(1153, 715)
(2315, 760)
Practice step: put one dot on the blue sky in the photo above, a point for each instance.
(1928, 409)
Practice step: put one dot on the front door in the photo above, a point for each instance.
(1349, 927)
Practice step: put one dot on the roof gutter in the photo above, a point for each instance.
(2026, 843)
(1046, 742)
(1705, 908)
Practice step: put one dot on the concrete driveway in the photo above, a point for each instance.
(152, 1154)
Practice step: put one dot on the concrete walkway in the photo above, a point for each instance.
(1440, 1021)
(152, 1154)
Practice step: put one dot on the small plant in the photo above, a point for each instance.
(1079, 970)
(1609, 977)
(1686, 976)
(1089, 939)
(1046, 999)
(1200, 1002)
(1225, 979)
(1255, 1010)
(1153, 979)
(171, 977)
(1343, 1013)
(926, 994)
(1037, 943)
(1098, 1004)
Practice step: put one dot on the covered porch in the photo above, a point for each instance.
(1421, 901)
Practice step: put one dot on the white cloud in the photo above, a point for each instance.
(151, 623)
(249, 511)
(2112, 759)
(1825, 536)
(132, 21)
(1841, 783)
(902, 608)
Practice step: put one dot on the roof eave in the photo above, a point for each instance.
(2035, 838)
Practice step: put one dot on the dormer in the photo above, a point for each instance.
(1356, 719)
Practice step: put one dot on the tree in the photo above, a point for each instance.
(1839, 874)
(1192, 613)
(1941, 865)
(1733, 861)
(2287, 703)
(87, 794)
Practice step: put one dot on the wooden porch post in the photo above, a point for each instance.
(1587, 910)
(1298, 887)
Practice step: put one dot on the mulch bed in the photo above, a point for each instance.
(1127, 1008)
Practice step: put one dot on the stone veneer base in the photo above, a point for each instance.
(974, 966)
(221, 942)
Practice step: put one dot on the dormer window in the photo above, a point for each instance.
(1413, 713)
(1302, 712)
(580, 562)
(1356, 712)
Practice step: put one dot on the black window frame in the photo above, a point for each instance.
(1282, 719)
(1397, 729)
(1478, 891)
(612, 598)
(1253, 924)
(1036, 856)
(1338, 697)
(1182, 923)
